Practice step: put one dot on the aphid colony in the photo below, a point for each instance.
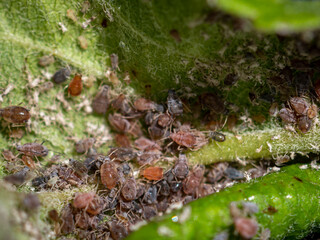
(300, 112)
(131, 185)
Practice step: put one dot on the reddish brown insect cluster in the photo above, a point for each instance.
(299, 112)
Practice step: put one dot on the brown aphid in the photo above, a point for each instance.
(122, 154)
(16, 133)
(181, 169)
(148, 157)
(75, 86)
(33, 149)
(152, 173)
(174, 103)
(156, 132)
(299, 105)
(312, 111)
(119, 123)
(27, 160)
(287, 115)
(246, 227)
(135, 129)
(109, 174)
(79, 168)
(304, 124)
(83, 146)
(182, 138)
(15, 114)
(142, 104)
(193, 180)
(67, 221)
(95, 206)
(46, 60)
(129, 189)
(122, 140)
(53, 215)
(118, 231)
(164, 120)
(146, 144)
(8, 155)
(101, 101)
(121, 104)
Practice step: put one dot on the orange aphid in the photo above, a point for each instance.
(152, 173)
(75, 86)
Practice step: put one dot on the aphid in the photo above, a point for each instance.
(287, 115)
(122, 140)
(118, 231)
(312, 111)
(100, 103)
(121, 104)
(273, 110)
(129, 189)
(33, 149)
(230, 79)
(175, 34)
(28, 161)
(61, 75)
(186, 139)
(150, 196)
(281, 160)
(181, 168)
(175, 106)
(17, 178)
(193, 180)
(299, 105)
(67, 221)
(83, 146)
(146, 144)
(219, 137)
(122, 154)
(147, 157)
(149, 212)
(156, 132)
(304, 124)
(164, 120)
(46, 60)
(135, 129)
(149, 118)
(15, 114)
(164, 188)
(212, 102)
(109, 174)
(234, 173)
(75, 86)
(153, 173)
(53, 215)
(142, 104)
(8, 155)
(16, 133)
(114, 61)
(79, 168)
(83, 42)
(246, 227)
(119, 123)
(31, 202)
(205, 189)
(217, 172)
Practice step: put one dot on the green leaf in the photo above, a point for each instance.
(276, 15)
(293, 193)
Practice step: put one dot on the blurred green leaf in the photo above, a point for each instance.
(280, 16)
